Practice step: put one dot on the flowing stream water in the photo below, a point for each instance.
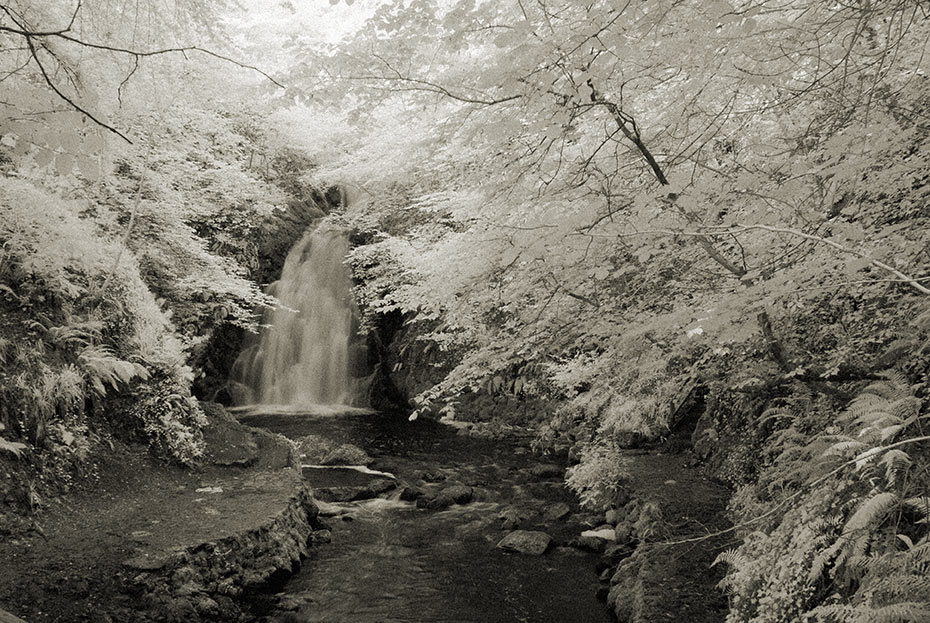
(392, 562)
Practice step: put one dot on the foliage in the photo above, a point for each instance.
(599, 477)
(839, 542)
(136, 178)
(634, 195)
(74, 338)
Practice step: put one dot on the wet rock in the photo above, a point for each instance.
(318, 450)
(532, 542)
(461, 494)
(614, 553)
(547, 470)
(206, 606)
(557, 512)
(289, 603)
(456, 494)
(227, 442)
(330, 510)
(346, 454)
(350, 494)
(410, 494)
(321, 536)
(510, 518)
(603, 532)
(623, 533)
(588, 544)
(431, 476)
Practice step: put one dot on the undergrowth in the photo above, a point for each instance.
(836, 527)
(77, 327)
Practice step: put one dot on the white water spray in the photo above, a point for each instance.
(303, 357)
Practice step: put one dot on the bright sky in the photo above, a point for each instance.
(319, 20)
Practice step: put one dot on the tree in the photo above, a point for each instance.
(591, 183)
(66, 67)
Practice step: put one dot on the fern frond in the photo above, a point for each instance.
(862, 404)
(921, 505)
(872, 512)
(890, 432)
(13, 447)
(893, 388)
(832, 613)
(731, 557)
(775, 413)
(903, 612)
(843, 447)
(79, 334)
(896, 463)
(906, 408)
(103, 368)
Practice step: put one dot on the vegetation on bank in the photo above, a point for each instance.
(134, 199)
(593, 222)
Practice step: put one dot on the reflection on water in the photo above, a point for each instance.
(390, 562)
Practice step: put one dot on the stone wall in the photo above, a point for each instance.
(214, 581)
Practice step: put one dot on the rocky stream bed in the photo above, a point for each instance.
(372, 519)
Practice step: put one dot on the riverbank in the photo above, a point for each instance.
(148, 541)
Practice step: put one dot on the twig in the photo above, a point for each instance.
(731, 230)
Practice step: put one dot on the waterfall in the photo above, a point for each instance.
(303, 355)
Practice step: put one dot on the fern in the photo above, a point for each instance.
(103, 368)
(13, 447)
(730, 557)
(80, 334)
(896, 463)
(903, 612)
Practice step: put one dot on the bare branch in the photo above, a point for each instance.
(31, 36)
(51, 84)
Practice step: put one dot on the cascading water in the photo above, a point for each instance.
(302, 356)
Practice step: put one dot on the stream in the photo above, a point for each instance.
(391, 562)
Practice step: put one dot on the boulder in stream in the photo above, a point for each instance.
(532, 542)
(322, 451)
(557, 511)
(511, 518)
(444, 498)
(352, 493)
(547, 470)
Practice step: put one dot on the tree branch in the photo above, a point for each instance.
(627, 125)
(51, 84)
(30, 36)
(732, 230)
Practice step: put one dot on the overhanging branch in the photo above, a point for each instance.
(33, 37)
